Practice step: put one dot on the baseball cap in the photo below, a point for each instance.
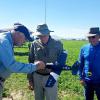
(24, 30)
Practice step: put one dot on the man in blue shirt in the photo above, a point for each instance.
(89, 70)
(8, 65)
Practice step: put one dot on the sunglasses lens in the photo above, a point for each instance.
(92, 37)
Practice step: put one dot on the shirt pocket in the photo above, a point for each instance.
(39, 53)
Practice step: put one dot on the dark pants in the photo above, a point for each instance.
(90, 88)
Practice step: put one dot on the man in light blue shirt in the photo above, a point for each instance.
(89, 70)
(8, 64)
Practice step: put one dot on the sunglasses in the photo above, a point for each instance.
(92, 37)
(42, 36)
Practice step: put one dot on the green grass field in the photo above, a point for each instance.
(69, 87)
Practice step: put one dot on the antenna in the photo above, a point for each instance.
(45, 12)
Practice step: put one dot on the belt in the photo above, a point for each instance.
(44, 74)
(2, 79)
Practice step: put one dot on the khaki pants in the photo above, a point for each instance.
(1, 89)
(42, 92)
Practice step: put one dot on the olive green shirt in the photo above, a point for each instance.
(47, 53)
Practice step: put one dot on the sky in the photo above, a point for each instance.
(67, 18)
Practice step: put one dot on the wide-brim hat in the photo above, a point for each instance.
(24, 30)
(93, 31)
(42, 30)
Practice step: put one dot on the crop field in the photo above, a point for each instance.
(69, 88)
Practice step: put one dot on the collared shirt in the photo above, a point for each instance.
(8, 64)
(90, 62)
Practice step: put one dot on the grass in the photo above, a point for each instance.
(69, 87)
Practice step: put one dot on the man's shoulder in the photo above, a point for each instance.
(35, 41)
(3, 37)
(56, 40)
(55, 43)
(5, 43)
(86, 46)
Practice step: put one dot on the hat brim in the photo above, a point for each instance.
(90, 34)
(40, 34)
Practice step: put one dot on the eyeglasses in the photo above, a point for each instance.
(92, 37)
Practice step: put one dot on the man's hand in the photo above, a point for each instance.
(82, 82)
(75, 68)
(31, 85)
(40, 64)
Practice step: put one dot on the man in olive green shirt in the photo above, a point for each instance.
(44, 49)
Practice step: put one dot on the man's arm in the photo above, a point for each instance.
(81, 61)
(31, 59)
(8, 60)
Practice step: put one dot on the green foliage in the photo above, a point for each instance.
(69, 87)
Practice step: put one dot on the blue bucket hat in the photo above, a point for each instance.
(93, 31)
(42, 30)
(24, 30)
